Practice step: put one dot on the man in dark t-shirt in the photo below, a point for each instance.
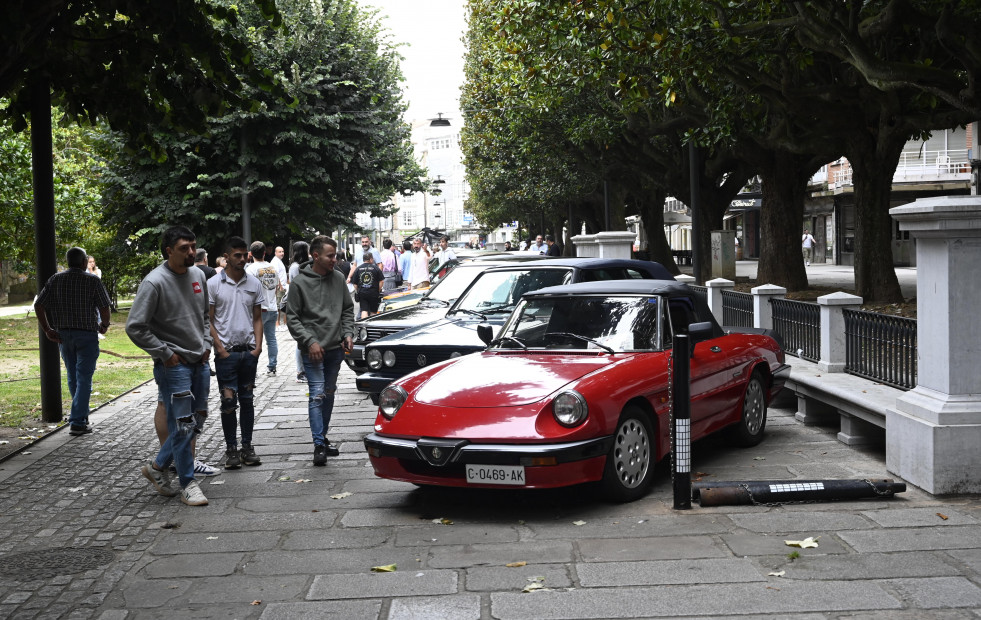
(368, 280)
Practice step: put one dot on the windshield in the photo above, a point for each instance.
(454, 283)
(583, 322)
(500, 291)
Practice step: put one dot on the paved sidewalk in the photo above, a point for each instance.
(287, 540)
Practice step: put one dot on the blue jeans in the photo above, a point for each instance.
(236, 382)
(269, 337)
(322, 381)
(79, 350)
(184, 390)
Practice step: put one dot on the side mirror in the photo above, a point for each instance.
(485, 332)
(698, 332)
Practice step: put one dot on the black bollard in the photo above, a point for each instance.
(681, 422)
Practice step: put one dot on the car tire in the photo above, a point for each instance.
(630, 462)
(374, 398)
(752, 421)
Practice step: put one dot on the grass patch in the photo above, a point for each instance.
(122, 366)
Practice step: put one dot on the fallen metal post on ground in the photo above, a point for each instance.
(735, 493)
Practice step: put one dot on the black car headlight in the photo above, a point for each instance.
(374, 359)
(390, 400)
(388, 358)
(362, 334)
(569, 408)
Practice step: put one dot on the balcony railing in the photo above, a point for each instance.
(943, 165)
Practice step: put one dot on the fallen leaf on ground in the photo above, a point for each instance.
(341, 495)
(777, 573)
(388, 568)
(516, 564)
(284, 478)
(442, 521)
(803, 544)
(217, 482)
(759, 458)
(211, 538)
(3, 443)
(772, 588)
(579, 523)
(942, 516)
(301, 480)
(75, 489)
(531, 587)
(256, 602)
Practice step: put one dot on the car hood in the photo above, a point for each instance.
(504, 380)
(423, 312)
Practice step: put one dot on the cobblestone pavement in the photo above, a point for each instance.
(287, 540)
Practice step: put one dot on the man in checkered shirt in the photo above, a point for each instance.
(73, 309)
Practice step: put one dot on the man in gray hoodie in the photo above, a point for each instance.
(320, 316)
(169, 320)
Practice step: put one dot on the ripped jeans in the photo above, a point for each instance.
(322, 381)
(184, 391)
(236, 382)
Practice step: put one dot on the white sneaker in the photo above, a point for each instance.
(807, 263)
(192, 495)
(160, 479)
(203, 469)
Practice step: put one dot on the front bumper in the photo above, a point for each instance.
(780, 376)
(373, 382)
(442, 461)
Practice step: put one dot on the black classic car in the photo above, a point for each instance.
(434, 305)
(489, 299)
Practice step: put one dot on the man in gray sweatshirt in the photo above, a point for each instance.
(169, 320)
(320, 315)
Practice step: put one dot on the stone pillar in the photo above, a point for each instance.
(616, 244)
(762, 310)
(715, 288)
(724, 254)
(833, 329)
(687, 279)
(586, 246)
(933, 435)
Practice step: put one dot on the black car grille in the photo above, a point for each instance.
(406, 360)
(374, 333)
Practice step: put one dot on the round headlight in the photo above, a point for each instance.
(374, 358)
(362, 334)
(389, 358)
(391, 398)
(569, 408)
(455, 354)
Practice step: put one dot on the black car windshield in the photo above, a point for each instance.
(454, 283)
(500, 291)
(583, 322)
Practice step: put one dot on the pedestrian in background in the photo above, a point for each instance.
(66, 310)
(169, 320)
(300, 256)
(419, 271)
(92, 268)
(320, 315)
(538, 246)
(359, 256)
(368, 280)
(266, 274)
(554, 249)
(284, 282)
(405, 262)
(235, 301)
(445, 253)
(806, 246)
(201, 262)
(389, 266)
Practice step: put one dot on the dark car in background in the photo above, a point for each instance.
(489, 299)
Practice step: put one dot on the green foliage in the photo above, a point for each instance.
(76, 188)
(337, 148)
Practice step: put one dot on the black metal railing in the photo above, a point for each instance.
(737, 309)
(700, 292)
(799, 324)
(881, 347)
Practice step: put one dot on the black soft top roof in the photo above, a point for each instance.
(655, 270)
(671, 289)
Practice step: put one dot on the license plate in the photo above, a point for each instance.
(496, 474)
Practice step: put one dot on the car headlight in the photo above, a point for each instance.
(390, 400)
(569, 408)
(362, 334)
(388, 358)
(374, 358)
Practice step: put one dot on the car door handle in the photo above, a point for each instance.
(737, 373)
(716, 349)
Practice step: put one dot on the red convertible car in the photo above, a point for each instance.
(575, 388)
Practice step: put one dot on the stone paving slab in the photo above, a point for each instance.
(861, 566)
(372, 585)
(339, 610)
(459, 607)
(907, 539)
(667, 548)
(667, 572)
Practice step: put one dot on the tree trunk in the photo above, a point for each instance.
(874, 165)
(651, 210)
(784, 189)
